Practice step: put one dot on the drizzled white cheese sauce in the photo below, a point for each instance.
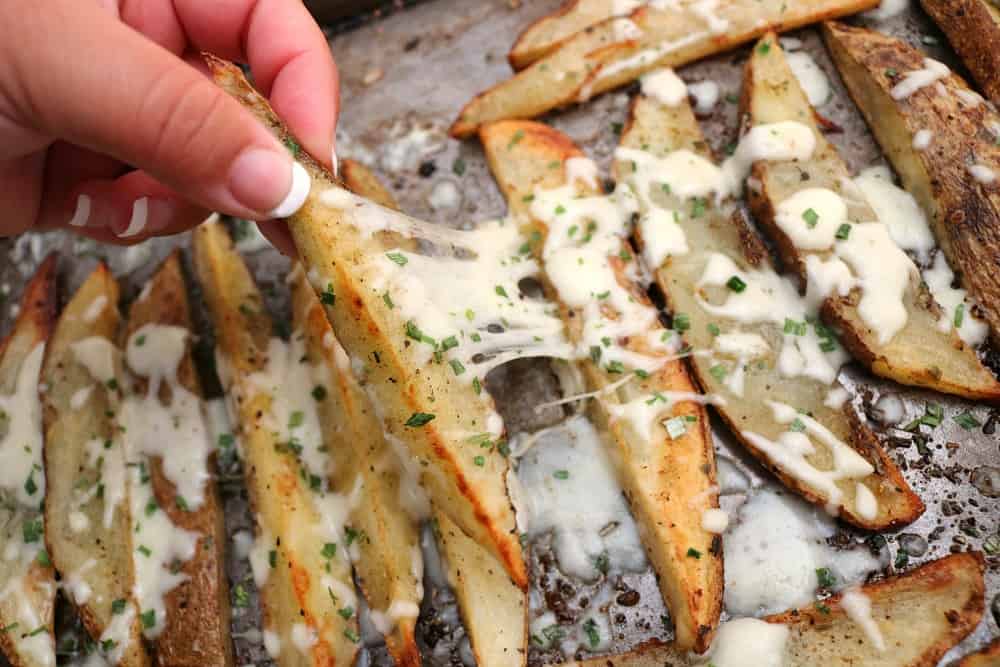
(39, 645)
(95, 308)
(982, 173)
(706, 96)
(790, 451)
(858, 608)
(97, 356)
(643, 412)
(932, 72)
(811, 77)
(21, 434)
(922, 139)
(775, 547)
(568, 488)
(956, 305)
(664, 86)
(897, 210)
(740, 638)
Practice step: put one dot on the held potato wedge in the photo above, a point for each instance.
(918, 615)
(27, 580)
(352, 252)
(830, 237)
(493, 608)
(389, 563)
(665, 471)
(973, 30)
(300, 555)
(87, 515)
(736, 321)
(172, 492)
(953, 178)
(617, 51)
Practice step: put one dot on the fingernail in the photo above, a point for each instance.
(334, 162)
(137, 222)
(268, 182)
(82, 213)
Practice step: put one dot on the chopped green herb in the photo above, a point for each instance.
(891, 73)
(698, 206)
(714, 329)
(43, 558)
(479, 461)
(327, 297)
(561, 474)
(140, 340)
(477, 386)
(967, 421)
(418, 419)
(501, 291)
(118, 606)
(681, 322)
(811, 217)
(226, 440)
(514, 140)
(617, 128)
(560, 209)
(397, 257)
(329, 550)
(31, 531)
(718, 371)
(825, 577)
(292, 146)
(615, 367)
(959, 315)
(602, 563)
(37, 631)
(797, 425)
(693, 553)
(29, 485)
(593, 634)
(821, 608)
(182, 504)
(108, 645)
(458, 166)
(795, 328)
(736, 284)
(296, 419)
(456, 366)
(319, 393)
(241, 598)
(764, 48)
(272, 558)
(352, 635)
(144, 550)
(843, 232)
(388, 300)
(346, 612)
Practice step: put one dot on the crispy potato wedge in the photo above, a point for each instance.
(660, 131)
(27, 582)
(334, 234)
(197, 630)
(494, 610)
(921, 614)
(549, 32)
(614, 53)
(919, 354)
(973, 30)
(389, 565)
(87, 517)
(964, 213)
(492, 607)
(661, 476)
(988, 656)
(305, 578)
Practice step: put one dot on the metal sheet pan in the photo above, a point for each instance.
(405, 75)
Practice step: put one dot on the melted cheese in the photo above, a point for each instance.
(21, 435)
(932, 72)
(706, 96)
(897, 210)
(773, 550)
(922, 139)
(39, 645)
(568, 488)
(740, 638)
(643, 412)
(97, 356)
(664, 86)
(858, 608)
(812, 79)
(790, 452)
(940, 279)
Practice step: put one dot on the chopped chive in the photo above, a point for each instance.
(693, 553)
(388, 300)
(843, 232)
(561, 474)
(615, 367)
(327, 296)
(736, 284)
(477, 386)
(118, 606)
(296, 419)
(698, 207)
(593, 634)
(714, 329)
(144, 550)
(351, 635)
(825, 577)
(479, 461)
(319, 393)
(418, 419)
(346, 612)
(329, 550)
(797, 425)
(811, 217)
(967, 421)
(764, 48)
(501, 291)
(718, 371)
(397, 257)
(682, 322)
(272, 558)
(456, 366)
(959, 315)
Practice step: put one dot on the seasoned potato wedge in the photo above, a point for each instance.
(549, 32)
(920, 615)
(299, 557)
(196, 629)
(343, 240)
(614, 53)
(389, 563)
(964, 211)
(493, 609)
(988, 656)
(28, 580)
(87, 517)
(973, 29)
(663, 475)
(912, 350)
(662, 131)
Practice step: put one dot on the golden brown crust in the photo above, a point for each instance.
(197, 629)
(973, 30)
(964, 213)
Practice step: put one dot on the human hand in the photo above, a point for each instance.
(108, 126)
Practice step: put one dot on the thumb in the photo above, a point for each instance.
(95, 82)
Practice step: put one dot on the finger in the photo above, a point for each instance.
(66, 166)
(20, 195)
(277, 233)
(132, 99)
(288, 55)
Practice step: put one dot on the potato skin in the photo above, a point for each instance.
(973, 30)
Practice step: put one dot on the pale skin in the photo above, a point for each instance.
(104, 104)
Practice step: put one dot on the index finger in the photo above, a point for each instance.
(288, 56)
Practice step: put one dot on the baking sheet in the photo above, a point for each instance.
(405, 75)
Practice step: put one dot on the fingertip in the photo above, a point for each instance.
(277, 233)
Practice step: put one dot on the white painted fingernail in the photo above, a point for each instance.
(82, 213)
(140, 213)
(296, 197)
(334, 162)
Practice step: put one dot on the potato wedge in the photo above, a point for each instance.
(195, 628)
(27, 581)
(907, 346)
(656, 132)
(549, 32)
(988, 656)
(87, 516)
(389, 564)
(299, 558)
(493, 608)
(964, 213)
(614, 53)
(344, 241)
(973, 30)
(663, 474)
(920, 615)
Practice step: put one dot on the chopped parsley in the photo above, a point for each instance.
(352, 635)
(272, 558)
(477, 386)
(458, 166)
(698, 207)
(29, 485)
(418, 419)
(615, 367)
(296, 419)
(43, 558)
(241, 598)
(346, 612)
(795, 328)
(144, 550)
(797, 425)
(514, 140)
